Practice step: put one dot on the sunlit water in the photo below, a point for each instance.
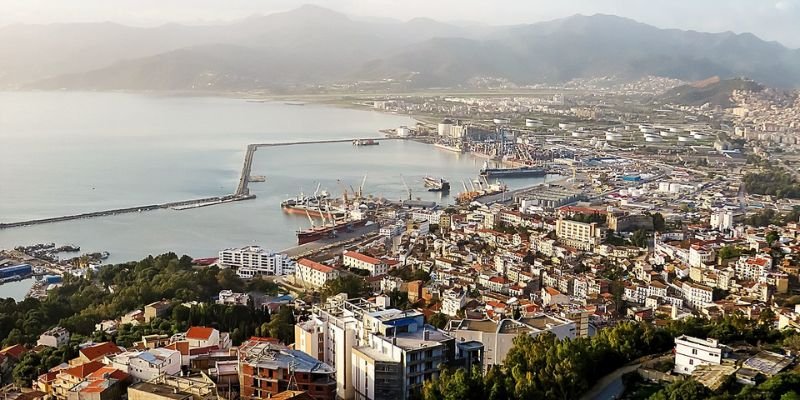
(65, 153)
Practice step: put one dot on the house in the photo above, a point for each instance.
(55, 337)
(552, 296)
(202, 336)
(691, 352)
(148, 365)
(97, 352)
(155, 310)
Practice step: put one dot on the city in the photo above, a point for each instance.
(593, 238)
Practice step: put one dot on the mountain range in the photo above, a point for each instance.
(314, 45)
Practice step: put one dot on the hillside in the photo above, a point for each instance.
(714, 91)
(316, 45)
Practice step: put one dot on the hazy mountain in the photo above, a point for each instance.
(316, 45)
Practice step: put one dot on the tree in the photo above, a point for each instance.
(439, 320)
(687, 389)
(353, 285)
(659, 223)
(639, 238)
(281, 326)
(772, 237)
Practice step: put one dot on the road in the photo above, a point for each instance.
(610, 386)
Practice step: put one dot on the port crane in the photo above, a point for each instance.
(408, 189)
(344, 190)
(361, 188)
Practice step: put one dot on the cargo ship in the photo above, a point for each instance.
(365, 142)
(321, 232)
(471, 193)
(436, 184)
(311, 206)
(519, 172)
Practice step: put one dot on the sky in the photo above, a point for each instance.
(769, 19)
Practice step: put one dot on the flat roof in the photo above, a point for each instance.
(160, 390)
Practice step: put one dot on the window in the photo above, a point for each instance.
(691, 361)
(694, 351)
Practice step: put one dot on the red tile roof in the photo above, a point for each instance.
(15, 351)
(199, 333)
(315, 265)
(83, 370)
(362, 257)
(108, 372)
(552, 292)
(97, 351)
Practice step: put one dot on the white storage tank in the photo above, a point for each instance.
(501, 121)
(698, 136)
(578, 134)
(647, 130)
(684, 139)
(653, 139)
(566, 126)
(533, 123)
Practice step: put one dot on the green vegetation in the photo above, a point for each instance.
(353, 285)
(546, 368)
(768, 217)
(778, 183)
(439, 320)
(589, 218)
(783, 386)
(639, 238)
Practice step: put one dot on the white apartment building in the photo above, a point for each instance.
(55, 337)
(314, 274)
(581, 235)
(696, 295)
(357, 260)
(148, 365)
(721, 219)
(752, 268)
(699, 256)
(453, 301)
(254, 261)
(691, 352)
(432, 217)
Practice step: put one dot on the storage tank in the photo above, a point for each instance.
(652, 139)
(647, 130)
(578, 134)
(533, 123)
(698, 136)
(566, 126)
(666, 134)
(684, 139)
(501, 121)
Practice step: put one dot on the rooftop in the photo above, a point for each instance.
(266, 354)
(161, 390)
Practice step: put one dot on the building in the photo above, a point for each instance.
(98, 351)
(155, 310)
(15, 271)
(580, 235)
(267, 368)
(721, 219)
(314, 274)
(623, 222)
(375, 266)
(498, 336)
(691, 352)
(150, 391)
(696, 295)
(254, 261)
(203, 336)
(148, 365)
(453, 301)
(229, 297)
(55, 337)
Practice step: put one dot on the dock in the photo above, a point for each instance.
(242, 191)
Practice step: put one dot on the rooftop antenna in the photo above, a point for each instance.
(292, 385)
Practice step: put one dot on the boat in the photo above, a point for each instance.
(294, 103)
(312, 206)
(321, 232)
(365, 142)
(436, 184)
(512, 172)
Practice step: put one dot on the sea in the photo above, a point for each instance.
(70, 152)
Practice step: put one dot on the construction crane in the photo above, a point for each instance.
(408, 189)
(361, 188)
(344, 190)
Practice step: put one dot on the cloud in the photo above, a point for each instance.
(785, 5)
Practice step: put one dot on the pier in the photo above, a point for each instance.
(242, 191)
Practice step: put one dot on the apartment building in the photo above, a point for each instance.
(314, 274)
(357, 260)
(254, 261)
(580, 235)
(266, 368)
